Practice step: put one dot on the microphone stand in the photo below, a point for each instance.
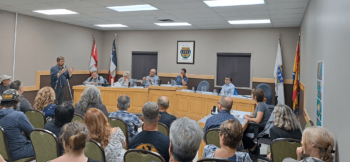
(56, 90)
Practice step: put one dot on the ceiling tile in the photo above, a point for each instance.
(73, 4)
(191, 11)
(287, 11)
(17, 2)
(287, 5)
(92, 10)
(107, 3)
(253, 26)
(37, 6)
(10, 8)
(292, 16)
(148, 13)
(252, 17)
(240, 8)
(283, 1)
(247, 13)
(178, 5)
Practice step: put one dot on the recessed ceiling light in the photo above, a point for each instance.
(145, 7)
(263, 21)
(110, 25)
(221, 3)
(56, 12)
(174, 24)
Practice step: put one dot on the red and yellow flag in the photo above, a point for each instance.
(296, 72)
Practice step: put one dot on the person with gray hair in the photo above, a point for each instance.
(90, 98)
(131, 120)
(95, 79)
(24, 104)
(165, 118)
(126, 79)
(224, 108)
(150, 138)
(185, 134)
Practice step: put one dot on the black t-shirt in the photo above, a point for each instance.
(276, 132)
(159, 140)
(92, 160)
(166, 118)
(50, 126)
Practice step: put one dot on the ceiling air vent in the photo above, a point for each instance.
(166, 20)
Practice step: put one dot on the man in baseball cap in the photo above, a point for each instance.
(5, 81)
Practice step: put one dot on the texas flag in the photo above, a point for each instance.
(93, 60)
(113, 65)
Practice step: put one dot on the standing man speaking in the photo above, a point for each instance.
(59, 76)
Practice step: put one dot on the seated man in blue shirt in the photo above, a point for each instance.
(228, 87)
(95, 79)
(165, 118)
(224, 108)
(151, 79)
(182, 79)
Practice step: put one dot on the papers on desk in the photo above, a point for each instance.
(237, 114)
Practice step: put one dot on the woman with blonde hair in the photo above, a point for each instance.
(318, 143)
(112, 140)
(44, 101)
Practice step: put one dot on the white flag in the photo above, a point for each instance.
(279, 76)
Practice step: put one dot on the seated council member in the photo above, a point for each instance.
(124, 81)
(228, 87)
(182, 79)
(151, 79)
(95, 79)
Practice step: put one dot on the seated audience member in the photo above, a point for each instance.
(224, 108)
(24, 104)
(44, 101)
(131, 120)
(95, 79)
(74, 136)
(112, 140)
(228, 87)
(318, 143)
(14, 123)
(63, 114)
(150, 136)
(182, 78)
(231, 133)
(124, 81)
(185, 138)
(90, 98)
(151, 79)
(5, 81)
(260, 116)
(165, 118)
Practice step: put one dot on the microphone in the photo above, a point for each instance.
(160, 82)
(213, 111)
(129, 84)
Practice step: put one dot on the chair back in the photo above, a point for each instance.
(163, 128)
(309, 124)
(213, 160)
(116, 122)
(284, 147)
(78, 118)
(36, 118)
(3, 145)
(93, 150)
(267, 91)
(212, 137)
(203, 83)
(141, 155)
(45, 144)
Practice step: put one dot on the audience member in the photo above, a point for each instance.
(318, 143)
(150, 137)
(2, 159)
(74, 137)
(14, 123)
(5, 81)
(131, 120)
(24, 104)
(231, 133)
(112, 140)
(224, 108)
(185, 134)
(44, 101)
(91, 98)
(260, 116)
(64, 114)
(165, 118)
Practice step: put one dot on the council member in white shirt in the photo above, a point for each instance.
(124, 81)
(228, 87)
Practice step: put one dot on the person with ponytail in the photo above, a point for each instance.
(74, 137)
(317, 143)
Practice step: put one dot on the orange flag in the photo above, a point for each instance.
(296, 72)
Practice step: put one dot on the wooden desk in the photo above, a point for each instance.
(156, 91)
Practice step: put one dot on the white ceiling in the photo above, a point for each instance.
(283, 13)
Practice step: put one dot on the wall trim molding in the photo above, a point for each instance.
(174, 75)
(271, 80)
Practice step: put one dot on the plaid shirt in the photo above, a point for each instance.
(130, 119)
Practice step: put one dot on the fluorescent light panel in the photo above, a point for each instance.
(221, 3)
(145, 7)
(263, 21)
(56, 12)
(174, 24)
(110, 25)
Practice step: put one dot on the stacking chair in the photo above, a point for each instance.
(212, 137)
(141, 155)
(4, 150)
(213, 160)
(36, 118)
(45, 144)
(93, 150)
(78, 118)
(284, 147)
(116, 122)
(163, 128)
(309, 124)
(259, 140)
